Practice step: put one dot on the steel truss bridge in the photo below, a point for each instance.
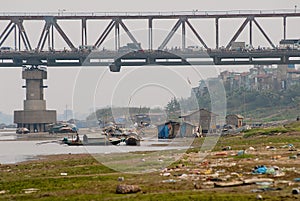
(44, 53)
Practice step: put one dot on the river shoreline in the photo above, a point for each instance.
(15, 148)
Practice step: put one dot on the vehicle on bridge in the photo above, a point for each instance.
(6, 49)
(87, 48)
(194, 48)
(130, 47)
(290, 44)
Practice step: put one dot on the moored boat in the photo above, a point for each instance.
(133, 139)
(93, 142)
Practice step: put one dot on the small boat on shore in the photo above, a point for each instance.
(133, 139)
(93, 142)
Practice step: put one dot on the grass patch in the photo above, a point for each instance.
(243, 156)
(265, 131)
(87, 179)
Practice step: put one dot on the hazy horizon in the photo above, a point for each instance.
(85, 88)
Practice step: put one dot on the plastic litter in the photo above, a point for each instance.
(241, 152)
(226, 148)
(166, 174)
(297, 179)
(169, 181)
(260, 169)
(293, 157)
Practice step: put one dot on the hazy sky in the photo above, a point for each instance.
(85, 88)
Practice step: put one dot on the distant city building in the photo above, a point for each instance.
(259, 78)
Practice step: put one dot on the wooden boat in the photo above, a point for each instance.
(93, 142)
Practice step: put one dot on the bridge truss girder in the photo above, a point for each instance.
(21, 37)
(19, 34)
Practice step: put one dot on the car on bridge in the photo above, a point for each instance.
(6, 49)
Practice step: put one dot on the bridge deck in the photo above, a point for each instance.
(138, 58)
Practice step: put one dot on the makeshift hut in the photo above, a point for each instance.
(178, 129)
(234, 119)
(202, 118)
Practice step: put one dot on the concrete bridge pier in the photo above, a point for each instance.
(34, 117)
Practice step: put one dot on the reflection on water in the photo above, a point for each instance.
(9, 135)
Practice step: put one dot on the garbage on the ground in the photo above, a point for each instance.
(166, 174)
(271, 148)
(30, 190)
(124, 189)
(228, 184)
(255, 180)
(265, 183)
(183, 176)
(164, 170)
(226, 148)
(251, 149)
(236, 174)
(223, 153)
(169, 181)
(215, 172)
(262, 169)
(297, 179)
(205, 185)
(179, 165)
(120, 178)
(3, 192)
(287, 183)
(209, 171)
(277, 157)
(295, 191)
(63, 174)
(291, 147)
(241, 152)
(259, 197)
(270, 170)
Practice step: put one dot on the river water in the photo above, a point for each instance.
(14, 151)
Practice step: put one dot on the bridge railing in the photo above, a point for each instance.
(175, 13)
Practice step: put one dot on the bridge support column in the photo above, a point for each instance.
(34, 116)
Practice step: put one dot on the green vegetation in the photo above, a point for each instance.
(265, 131)
(292, 127)
(255, 106)
(89, 180)
(85, 178)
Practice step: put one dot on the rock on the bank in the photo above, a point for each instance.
(124, 189)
